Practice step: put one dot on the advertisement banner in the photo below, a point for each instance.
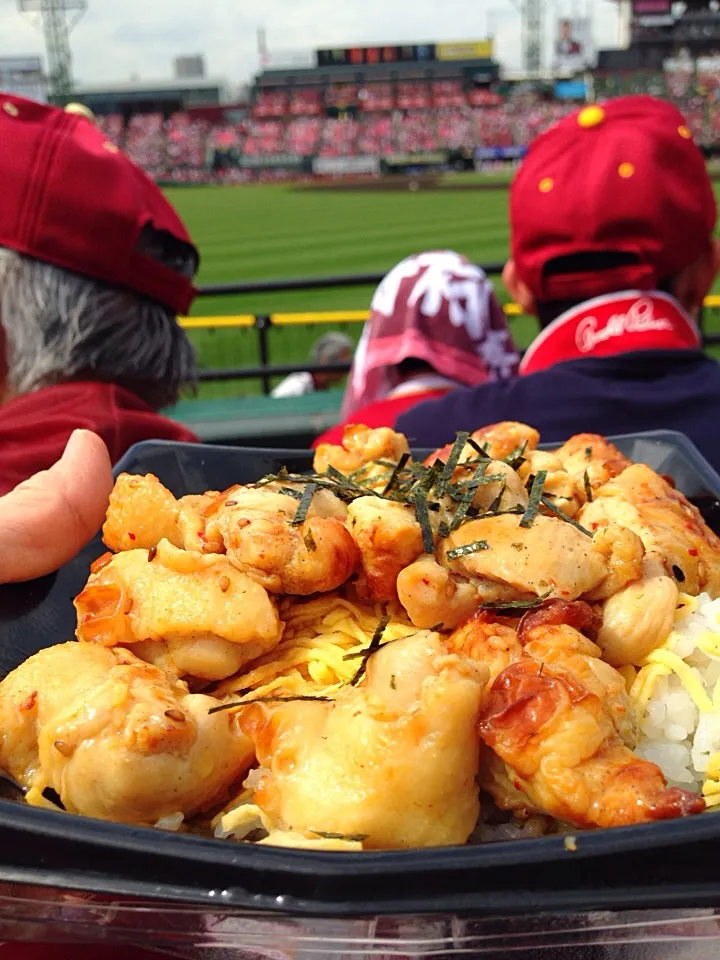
(574, 50)
(465, 50)
(416, 159)
(340, 166)
(288, 161)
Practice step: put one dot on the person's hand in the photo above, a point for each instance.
(47, 519)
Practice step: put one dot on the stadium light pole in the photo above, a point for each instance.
(58, 18)
(533, 17)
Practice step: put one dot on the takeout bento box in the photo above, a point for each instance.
(413, 902)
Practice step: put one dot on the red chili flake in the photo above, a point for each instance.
(693, 552)
(426, 582)
(132, 536)
(152, 553)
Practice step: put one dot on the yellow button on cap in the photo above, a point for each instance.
(591, 117)
(685, 132)
(546, 185)
(626, 170)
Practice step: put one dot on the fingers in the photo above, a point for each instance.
(48, 518)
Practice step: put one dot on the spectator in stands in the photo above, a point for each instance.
(333, 348)
(612, 217)
(435, 325)
(95, 265)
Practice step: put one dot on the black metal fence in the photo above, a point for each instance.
(263, 324)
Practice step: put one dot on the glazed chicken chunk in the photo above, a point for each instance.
(263, 540)
(677, 541)
(393, 760)
(114, 737)
(193, 615)
(362, 447)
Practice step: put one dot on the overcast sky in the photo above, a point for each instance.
(121, 39)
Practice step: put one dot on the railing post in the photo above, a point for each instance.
(262, 325)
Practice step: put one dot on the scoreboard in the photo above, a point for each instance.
(405, 53)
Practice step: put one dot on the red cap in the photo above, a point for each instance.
(70, 197)
(624, 177)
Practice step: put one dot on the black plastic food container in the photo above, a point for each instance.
(420, 902)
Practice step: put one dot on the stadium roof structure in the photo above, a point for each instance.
(171, 85)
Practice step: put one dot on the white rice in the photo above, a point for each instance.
(679, 706)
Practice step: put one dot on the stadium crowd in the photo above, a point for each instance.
(378, 120)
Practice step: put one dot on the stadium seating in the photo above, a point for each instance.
(413, 95)
(375, 135)
(270, 104)
(339, 138)
(305, 102)
(410, 116)
(376, 98)
(302, 135)
(448, 93)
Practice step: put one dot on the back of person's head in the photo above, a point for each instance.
(612, 198)
(433, 312)
(332, 348)
(95, 264)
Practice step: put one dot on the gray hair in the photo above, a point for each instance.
(332, 348)
(61, 326)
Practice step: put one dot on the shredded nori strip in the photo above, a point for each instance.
(516, 458)
(373, 648)
(452, 462)
(443, 530)
(495, 505)
(246, 703)
(467, 498)
(535, 498)
(510, 605)
(399, 467)
(423, 516)
(302, 510)
(481, 450)
(290, 492)
(563, 516)
(475, 547)
(588, 487)
(309, 541)
(339, 836)
(678, 574)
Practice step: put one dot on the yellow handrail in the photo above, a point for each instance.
(313, 317)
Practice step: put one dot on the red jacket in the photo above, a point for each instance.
(34, 428)
(382, 413)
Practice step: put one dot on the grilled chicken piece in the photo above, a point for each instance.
(591, 461)
(549, 557)
(389, 538)
(142, 512)
(393, 760)
(191, 614)
(361, 446)
(258, 529)
(677, 540)
(114, 737)
(434, 596)
(498, 439)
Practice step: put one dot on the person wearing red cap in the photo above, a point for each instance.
(95, 266)
(435, 324)
(612, 216)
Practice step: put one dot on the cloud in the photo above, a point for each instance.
(118, 40)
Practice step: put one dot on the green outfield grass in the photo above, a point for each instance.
(261, 232)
